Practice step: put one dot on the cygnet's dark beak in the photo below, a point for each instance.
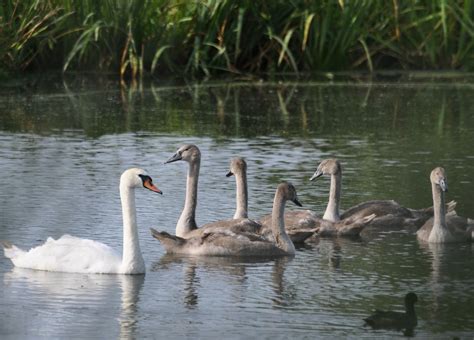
(443, 185)
(295, 201)
(230, 173)
(317, 174)
(174, 158)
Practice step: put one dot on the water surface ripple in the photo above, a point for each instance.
(62, 155)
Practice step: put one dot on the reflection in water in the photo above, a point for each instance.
(192, 282)
(333, 248)
(445, 307)
(131, 287)
(435, 250)
(77, 300)
(336, 254)
(58, 285)
(234, 268)
(382, 133)
(439, 253)
(244, 109)
(284, 295)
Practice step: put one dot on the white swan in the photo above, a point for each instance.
(225, 242)
(186, 226)
(388, 213)
(444, 228)
(77, 255)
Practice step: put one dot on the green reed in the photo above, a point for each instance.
(208, 37)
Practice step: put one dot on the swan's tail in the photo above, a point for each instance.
(10, 250)
(300, 235)
(353, 227)
(359, 223)
(470, 228)
(6, 244)
(170, 242)
(367, 219)
(450, 207)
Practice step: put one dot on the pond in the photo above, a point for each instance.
(64, 145)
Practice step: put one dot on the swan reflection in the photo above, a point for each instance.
(442, 306)
(235, 270)
(76, 301)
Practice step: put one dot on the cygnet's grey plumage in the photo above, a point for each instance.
(330, 225)
(226, 242)
(388, 213)
(192, 155)
(348, 227)
(444, 228)
(238, 168)
(186, 226)
(300, 225)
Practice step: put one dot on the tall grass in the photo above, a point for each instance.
(29, 32)
(207, 37)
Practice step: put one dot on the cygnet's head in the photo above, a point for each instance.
(186, 152)
(238, 166)
(438, 176)
(138, 178)
(327, 167)
(289, 192)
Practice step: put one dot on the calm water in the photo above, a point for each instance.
(64, 145)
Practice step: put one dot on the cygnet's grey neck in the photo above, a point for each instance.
(187, 220)
(332, 209)
(241, 196)
(282, 239)
(439, 232)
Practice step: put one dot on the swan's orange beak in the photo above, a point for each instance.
(150, 186)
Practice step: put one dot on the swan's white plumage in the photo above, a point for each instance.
(68, 254)
(76, 255)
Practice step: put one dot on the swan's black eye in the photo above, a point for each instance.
(145, 178)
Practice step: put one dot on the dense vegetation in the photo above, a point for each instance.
(202, 37)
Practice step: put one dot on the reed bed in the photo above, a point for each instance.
(210, 37)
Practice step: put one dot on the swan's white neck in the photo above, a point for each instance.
(132, 260)
(439, 232)
(242, 196)
(187, 220)
(282, 239)
(332, 209)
